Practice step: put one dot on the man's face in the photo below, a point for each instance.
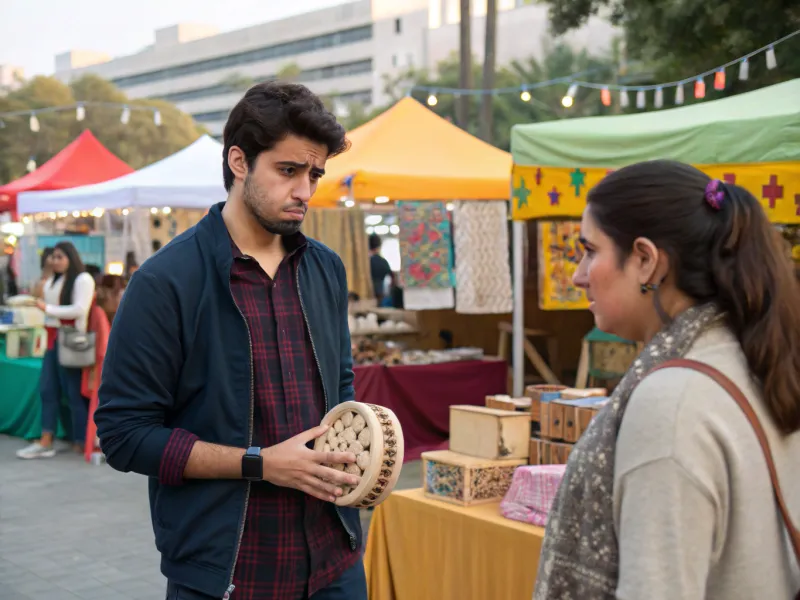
(278, 188)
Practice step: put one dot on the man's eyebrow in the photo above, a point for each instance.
(301, 166)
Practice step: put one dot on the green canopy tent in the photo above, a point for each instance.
(762, 127)
(759, 126)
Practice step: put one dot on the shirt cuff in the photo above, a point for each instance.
(175, 456)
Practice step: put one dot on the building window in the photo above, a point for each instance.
(360, 97)
(287, 49)
(398, 26)
(342, 70)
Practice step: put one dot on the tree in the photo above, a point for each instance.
(289, 72)
(139, 142)
(680, 39)
(489, 66)
(465, 74)
(509, 109)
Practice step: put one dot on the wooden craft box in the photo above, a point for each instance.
(466, 480)
(568, 419)
(509, 403)
(548, 452)
(489, 433)
(28, 342)
(542, 393)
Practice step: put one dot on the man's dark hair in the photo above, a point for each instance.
(375, 241)
(271, 111)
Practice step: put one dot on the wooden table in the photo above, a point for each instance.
(423, 549)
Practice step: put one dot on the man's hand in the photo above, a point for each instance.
(292, 464)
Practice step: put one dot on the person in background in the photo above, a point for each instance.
(668, 494)
(68, 296)
(46, 267)
(379, 267)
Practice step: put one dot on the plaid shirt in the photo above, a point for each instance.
(293, 544)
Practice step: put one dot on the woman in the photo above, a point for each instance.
(667, 494)
(68, 296)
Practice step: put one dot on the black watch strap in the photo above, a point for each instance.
(252, 464)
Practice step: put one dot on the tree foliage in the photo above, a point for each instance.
(679, 38)
(139, 142)
(509, 109)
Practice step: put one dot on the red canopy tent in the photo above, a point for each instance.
(82, 162)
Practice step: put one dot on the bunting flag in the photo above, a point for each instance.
(559, 192)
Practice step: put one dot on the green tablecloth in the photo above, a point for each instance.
(20, 404)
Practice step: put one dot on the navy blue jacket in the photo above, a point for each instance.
(179, 357)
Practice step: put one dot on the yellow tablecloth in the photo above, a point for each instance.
(421, 549)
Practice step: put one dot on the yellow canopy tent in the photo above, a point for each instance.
(411, 153)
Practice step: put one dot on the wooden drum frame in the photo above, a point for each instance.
(379, 452)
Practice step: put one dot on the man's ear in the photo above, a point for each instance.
(652, 264)
(237, 162)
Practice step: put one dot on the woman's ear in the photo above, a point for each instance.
(652, 264)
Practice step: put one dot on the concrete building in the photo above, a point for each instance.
(343, 52)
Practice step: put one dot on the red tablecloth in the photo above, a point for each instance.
(421, 395)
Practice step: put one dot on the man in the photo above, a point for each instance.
(229, 346)
(378, 266)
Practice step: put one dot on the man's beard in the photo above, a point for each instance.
(251, 194)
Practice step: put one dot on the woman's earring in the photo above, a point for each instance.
(647, 287)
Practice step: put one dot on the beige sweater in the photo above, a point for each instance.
(694, 511)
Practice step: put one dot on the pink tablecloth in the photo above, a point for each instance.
(421, 395)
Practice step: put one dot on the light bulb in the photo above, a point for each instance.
(157, 118)
(126, 116)
(432, 100)
(80, 113)
(31, 166)
(34, 124)
(525, 96)
(566, 101)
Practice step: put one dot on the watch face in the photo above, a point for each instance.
(251, 467)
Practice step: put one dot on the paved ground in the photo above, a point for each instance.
(73, 531)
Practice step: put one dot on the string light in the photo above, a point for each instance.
(524, 90)
(31, 166)
(658, 100)
(80, 113)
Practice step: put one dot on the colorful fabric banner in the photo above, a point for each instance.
(483, 263)
(546, 192)
(426, 244)
(559, 255)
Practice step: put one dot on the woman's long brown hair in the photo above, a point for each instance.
(732, 256)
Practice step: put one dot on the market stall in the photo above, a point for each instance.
(151, 205)
(84, 161)
(749, 139)
(411, 153)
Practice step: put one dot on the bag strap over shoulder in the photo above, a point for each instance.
(740, 399)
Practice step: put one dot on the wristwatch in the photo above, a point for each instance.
(252, 464)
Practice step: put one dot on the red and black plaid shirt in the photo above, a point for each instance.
(293, 544)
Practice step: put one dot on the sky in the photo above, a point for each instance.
(32, 32)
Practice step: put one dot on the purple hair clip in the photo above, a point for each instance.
(715, 194)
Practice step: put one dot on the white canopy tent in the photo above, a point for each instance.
(190, 178)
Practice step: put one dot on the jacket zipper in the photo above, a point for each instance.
(324, 393)
(231, 587)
